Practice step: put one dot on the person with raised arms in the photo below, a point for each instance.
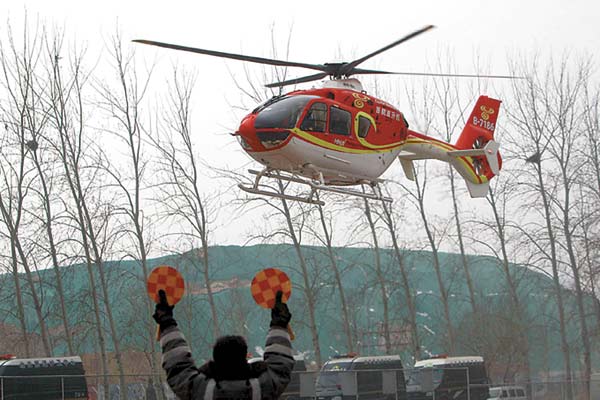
(228, 375)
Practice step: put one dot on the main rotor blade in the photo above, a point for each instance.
(233, 56)
(303, 79)
(347, 69)
(371, 71)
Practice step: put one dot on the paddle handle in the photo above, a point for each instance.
(157, 333)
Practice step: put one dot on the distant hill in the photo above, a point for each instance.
(232, 268)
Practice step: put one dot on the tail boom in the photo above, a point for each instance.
(475, 155)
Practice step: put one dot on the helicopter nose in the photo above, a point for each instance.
(246, 135)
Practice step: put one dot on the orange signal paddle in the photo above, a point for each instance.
(168, 279)
(266, 284)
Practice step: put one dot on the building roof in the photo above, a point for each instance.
(434, 362)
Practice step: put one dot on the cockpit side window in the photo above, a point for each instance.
(363, 126)
(339, 121)
(316, 118)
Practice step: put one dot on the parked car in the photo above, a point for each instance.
(507, 393)
(59, 378)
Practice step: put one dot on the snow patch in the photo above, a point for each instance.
(428, 329)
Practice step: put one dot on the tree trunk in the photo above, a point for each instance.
(27, 91)
(463, 256)
(557, 285)
(128, 115)
(338, 280)
(408, 294)
(438, 272)
(19, 254)
(211, 297)
(53, 254)
(19, 298)
(308, 293)
(98, 261)
(380, 280)
(574, 265)
(588, 246)
(37, 304)
(512, 287)
(67, 154)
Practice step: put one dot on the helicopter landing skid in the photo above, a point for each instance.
(314, 186)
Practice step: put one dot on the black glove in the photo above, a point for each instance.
(280, 314)
(163, 313)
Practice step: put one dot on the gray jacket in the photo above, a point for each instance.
(265, 380)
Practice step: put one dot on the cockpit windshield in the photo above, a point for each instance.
(283, 114)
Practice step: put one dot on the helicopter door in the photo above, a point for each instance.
(339, 121)
(315, 119)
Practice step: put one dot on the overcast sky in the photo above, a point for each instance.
(361, 24)
(320, 31)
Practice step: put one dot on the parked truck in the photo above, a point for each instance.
(58, 378)
(448, 378)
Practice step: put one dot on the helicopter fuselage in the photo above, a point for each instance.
(339, 135)
(343, 134)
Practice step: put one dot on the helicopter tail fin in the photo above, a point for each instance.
(476, 155)
(478, 134)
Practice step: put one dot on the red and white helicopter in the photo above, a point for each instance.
(336, 136)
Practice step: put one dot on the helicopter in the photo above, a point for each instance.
(338, 136)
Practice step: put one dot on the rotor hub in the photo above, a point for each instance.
(346, 83)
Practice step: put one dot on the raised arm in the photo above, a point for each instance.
(278, 350)
(182, 375)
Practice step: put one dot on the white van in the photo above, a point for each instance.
(507, 392)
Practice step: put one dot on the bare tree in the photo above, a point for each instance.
(17, 283)
(391, 224)
(449, 105)
(590, 189)
(380, 277)
(123, 102)
(82, 162)
(21, 85)
(562, 145)
(534, 123)
(180, 190)
(308, 291)
(498, 199)
(424, 117)
(327, 241)
(418, 198)
(491, 334)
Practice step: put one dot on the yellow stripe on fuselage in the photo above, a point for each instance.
(466, 161)
(331, 146)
